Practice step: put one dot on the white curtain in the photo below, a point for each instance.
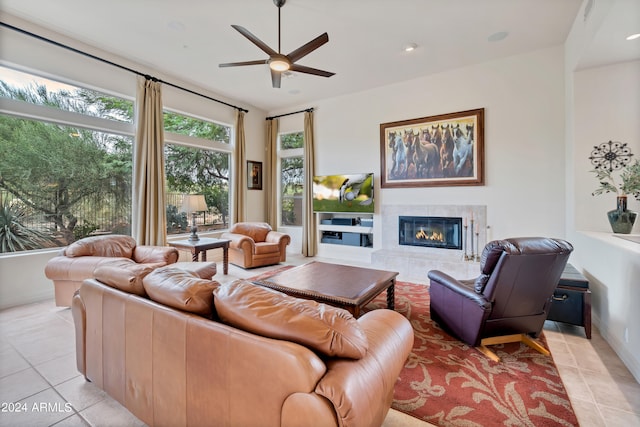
(240, 172)
(271, 174)
(148, 216)
(309, 237)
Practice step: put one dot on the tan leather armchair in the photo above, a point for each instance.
(255, 244)
(79, 260)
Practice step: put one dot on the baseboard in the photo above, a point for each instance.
(630, 360)
(9, 301)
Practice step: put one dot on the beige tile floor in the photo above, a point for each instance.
(40, 386)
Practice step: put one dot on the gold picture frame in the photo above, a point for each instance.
(442, 150)
(254, 175)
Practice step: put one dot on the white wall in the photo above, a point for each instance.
(602, 104)
(22, 278)
(523, 97)
(606, 108)
(612, 266)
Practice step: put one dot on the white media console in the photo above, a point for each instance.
(345, 229)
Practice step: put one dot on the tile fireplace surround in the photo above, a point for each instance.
(414, 262)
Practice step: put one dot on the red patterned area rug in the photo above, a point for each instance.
(448, 383)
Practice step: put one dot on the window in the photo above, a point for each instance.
(65, 163)
(197, 159)
(291, 178)
(38, 90)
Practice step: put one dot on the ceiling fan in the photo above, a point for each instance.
(279, 63)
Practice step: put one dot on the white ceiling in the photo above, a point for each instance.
(187, 39)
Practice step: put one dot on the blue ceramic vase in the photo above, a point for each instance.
(622, 219)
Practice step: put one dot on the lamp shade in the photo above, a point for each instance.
(193, 203)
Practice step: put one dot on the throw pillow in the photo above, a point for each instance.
(181, 289)
(123, 274)
(329, 330)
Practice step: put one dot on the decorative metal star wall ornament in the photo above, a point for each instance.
(611, 156)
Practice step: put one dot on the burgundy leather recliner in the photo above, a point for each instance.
(509, 301)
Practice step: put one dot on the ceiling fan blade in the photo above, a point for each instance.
(276, 76)
(253, 39)
(309, 70)
(306, 49)
(238, 64)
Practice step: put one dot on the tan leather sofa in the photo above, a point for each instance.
(261, 359)
(255, 244)
(79, 260)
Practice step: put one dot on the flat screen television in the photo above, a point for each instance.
(343, 193)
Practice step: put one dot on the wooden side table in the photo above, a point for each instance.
(202, 246)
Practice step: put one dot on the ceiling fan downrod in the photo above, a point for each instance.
(279, 3)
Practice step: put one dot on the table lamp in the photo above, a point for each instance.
(192, 204)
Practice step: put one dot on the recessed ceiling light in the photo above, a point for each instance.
(496, 37)
(176, 26)
(634, 36)
(410, 47)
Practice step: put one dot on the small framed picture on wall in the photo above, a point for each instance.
(254, 175)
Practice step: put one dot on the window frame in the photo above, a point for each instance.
(205, 144)
(285, 153)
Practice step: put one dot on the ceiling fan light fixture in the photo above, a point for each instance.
(278, 64)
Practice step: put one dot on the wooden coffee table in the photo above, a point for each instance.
(343, 286)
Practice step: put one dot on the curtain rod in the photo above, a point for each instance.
(147, 76)
(308, 110)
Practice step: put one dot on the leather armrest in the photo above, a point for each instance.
(282, 239)
(277, 237)
(155, 254)
(461, 287)
(240, 241)
(361, 390)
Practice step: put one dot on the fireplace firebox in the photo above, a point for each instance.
(430, 231)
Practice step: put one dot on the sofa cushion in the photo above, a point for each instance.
(329, 330)
(203, 269)
(181, 289)
(123, 274)
(107, 246)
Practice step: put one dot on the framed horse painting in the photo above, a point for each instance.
(443, 150)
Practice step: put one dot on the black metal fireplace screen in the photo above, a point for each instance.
(430, 231)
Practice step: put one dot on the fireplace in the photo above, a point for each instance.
(430, 231)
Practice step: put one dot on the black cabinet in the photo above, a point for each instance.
(572, 300)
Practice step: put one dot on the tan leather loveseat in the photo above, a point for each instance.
(262, 359)
(255, 244)
(79, 260)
